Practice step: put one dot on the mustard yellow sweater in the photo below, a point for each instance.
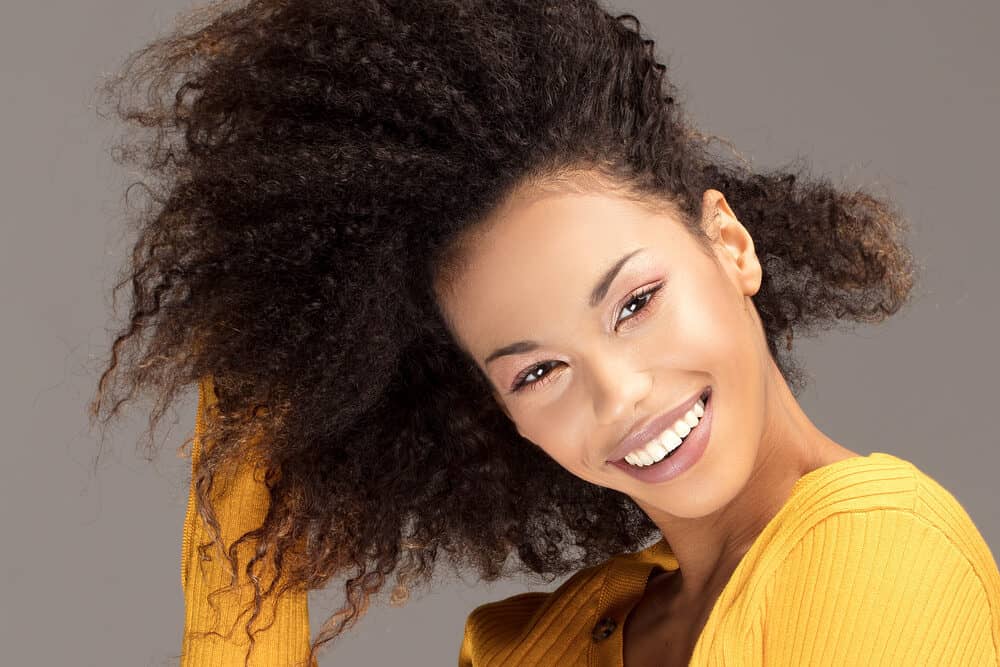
(241, 502)
(869, 562)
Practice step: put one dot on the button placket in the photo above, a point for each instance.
(623, 586)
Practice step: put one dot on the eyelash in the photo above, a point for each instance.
(640, 314)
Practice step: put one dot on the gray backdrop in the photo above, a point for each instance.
(901, 94)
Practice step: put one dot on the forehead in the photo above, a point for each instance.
(537, 258)
(572, 229)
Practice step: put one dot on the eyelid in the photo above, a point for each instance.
(648, 291)
(651, 291)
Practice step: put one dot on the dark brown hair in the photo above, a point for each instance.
(308, 166)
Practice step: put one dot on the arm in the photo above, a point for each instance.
(241, 505)
(882, 587)
(465, 651)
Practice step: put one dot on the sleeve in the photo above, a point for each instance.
(882, 587)
(241, 504)
(493, 628)
(465, 651)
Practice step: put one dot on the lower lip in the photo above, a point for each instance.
(683, 457)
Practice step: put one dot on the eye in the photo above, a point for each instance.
(643, 298)
(519, 381)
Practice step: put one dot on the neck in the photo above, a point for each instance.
(708, 548)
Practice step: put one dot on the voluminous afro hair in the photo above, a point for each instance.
(309, 164)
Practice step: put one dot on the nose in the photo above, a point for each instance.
(617, 385)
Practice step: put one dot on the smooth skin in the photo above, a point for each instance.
(600, 370)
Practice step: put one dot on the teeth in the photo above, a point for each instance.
(657, 449)
(669, 440)
(645, 457)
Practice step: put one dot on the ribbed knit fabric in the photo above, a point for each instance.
(241, 502)
(868, 562)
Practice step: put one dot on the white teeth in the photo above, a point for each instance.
(644, 457)
(669, 440)
(657, 450)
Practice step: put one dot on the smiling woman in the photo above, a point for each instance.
(460, 279)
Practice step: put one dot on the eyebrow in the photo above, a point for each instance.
(597, 295)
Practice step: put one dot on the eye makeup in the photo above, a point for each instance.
(646, 296)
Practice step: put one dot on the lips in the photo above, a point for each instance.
(654, 427)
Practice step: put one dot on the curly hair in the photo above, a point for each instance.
(309, 167)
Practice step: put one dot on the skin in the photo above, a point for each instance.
(530, 272)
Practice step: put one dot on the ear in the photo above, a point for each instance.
(733, 243)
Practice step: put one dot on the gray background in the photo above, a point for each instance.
(903, 95)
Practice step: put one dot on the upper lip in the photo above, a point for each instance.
(652, 428)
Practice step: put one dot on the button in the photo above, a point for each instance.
(603, 629)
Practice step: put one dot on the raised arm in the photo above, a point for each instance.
(241, 503)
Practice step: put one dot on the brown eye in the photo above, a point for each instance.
(519, 381)
(643, 298)
(641, 301)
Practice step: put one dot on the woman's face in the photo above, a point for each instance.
(670, 322)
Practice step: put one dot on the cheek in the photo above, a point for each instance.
(546, 434)
(699, 328)
(558, 435)
(721, 326)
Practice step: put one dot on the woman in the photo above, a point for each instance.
(460, 279)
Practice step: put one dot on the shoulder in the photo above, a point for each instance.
(882, 494)
(937, 507)
(886, 501)
(884, 556)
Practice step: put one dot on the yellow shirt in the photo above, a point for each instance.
(241, 501)
(868, 562)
